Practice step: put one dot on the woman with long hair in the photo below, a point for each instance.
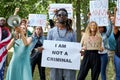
(19, 67)
(91, 44)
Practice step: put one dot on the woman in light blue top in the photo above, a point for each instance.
(19, 67)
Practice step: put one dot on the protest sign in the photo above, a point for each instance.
(37, 20)
(98, 11)
(117, 19)
(93, 43)
(60, 54)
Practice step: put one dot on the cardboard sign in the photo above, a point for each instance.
(59, 54)
(98, 10)
(92, 43)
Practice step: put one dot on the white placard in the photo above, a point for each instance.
(37, 20)
(59, 54)
(117, 21)
(98, 10)
(53, 7)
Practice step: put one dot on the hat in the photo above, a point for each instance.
(2, 18)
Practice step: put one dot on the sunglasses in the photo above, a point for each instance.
(60, 15)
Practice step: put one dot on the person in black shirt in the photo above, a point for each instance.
(36, 54)
(117, 53)
(117, 50)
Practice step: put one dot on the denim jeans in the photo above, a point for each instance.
(117, 66)
(104, 62)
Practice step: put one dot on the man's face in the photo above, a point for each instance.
(2, 22)
(62, 17)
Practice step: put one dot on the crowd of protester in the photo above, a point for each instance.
(27, 49)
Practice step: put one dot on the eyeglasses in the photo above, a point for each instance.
(60, 15)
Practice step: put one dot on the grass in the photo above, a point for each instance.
(110, 71)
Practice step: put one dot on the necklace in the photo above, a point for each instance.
(60, 35)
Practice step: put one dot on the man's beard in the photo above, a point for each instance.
(61, 21)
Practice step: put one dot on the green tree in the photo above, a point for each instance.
(41, 6)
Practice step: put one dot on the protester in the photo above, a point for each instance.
(105, 33)
(62, 32)
(112, 46)
(52, 24)
(19, 67)
(36, 55)
(25, 22)
(5, 37)
(117, 49)
(91, 43)
(117, 54)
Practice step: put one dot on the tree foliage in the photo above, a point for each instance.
(41, 6)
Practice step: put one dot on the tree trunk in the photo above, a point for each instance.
(78, 21)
